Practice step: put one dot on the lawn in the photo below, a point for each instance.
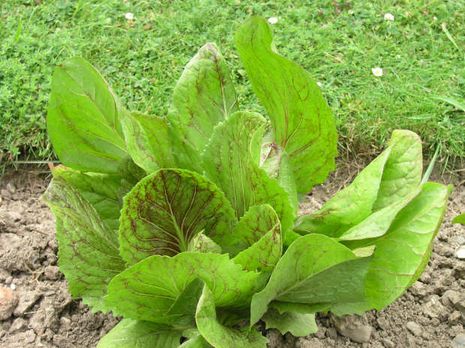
(421, 53)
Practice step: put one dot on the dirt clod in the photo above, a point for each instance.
(450, 298)
(419, 289)
(23, 339)
(8, 302)
(387, 343)
(332, 333)
(460, 252)
(455, 317)
(459, 341)
(18, 325)
(414, 328)
(26, 300)
(309, 343)
(434, 308)
(354, 327)
(52, 272)
(460, 306)
(4, 275)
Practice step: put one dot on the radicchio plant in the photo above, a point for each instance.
(187, 224)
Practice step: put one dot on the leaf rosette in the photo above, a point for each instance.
(187, 224)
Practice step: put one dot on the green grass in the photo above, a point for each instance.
(338, 42)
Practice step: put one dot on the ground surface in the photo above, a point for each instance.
(337, 41)
(46, 316)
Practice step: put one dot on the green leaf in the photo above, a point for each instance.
(364, 251)
(148, 289)
(459, 219)
(298, 324)
(232, 156)
(302, 121)
(301, 308)
(130, 333)
(130, 174)
(432, 162)
(291, 236)
(402, 250)
(403, 170)
(217, 334)
(104, 192)
(307, 256)
(196, 342)
(231, 161)
(256, 223)
(203, 97)
(201, 243)
(349, 206)
(339, 288)
(387, 182)
(458, 104)
(87, 247)
(83, 120)
(359, 284)
(148, 140)
(186, 303)
(165, 210)
(264, 253)
(379, 222)
(276, 163)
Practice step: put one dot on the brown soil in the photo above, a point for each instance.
(46, 316)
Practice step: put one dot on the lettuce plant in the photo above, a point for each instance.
(187, 225)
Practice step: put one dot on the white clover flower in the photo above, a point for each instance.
(129, 16)
(378, 72)
(389, 17)
(273, 20)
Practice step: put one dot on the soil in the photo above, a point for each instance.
(46, 316)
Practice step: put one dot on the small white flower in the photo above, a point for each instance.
(13, 286)
(273, 20)
(389, 17)
(378, 72)
(129, 16)
(319, 84)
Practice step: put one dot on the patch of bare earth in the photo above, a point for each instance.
(41, 313)
(45, 315)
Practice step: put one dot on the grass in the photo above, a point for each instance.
(421, 52)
